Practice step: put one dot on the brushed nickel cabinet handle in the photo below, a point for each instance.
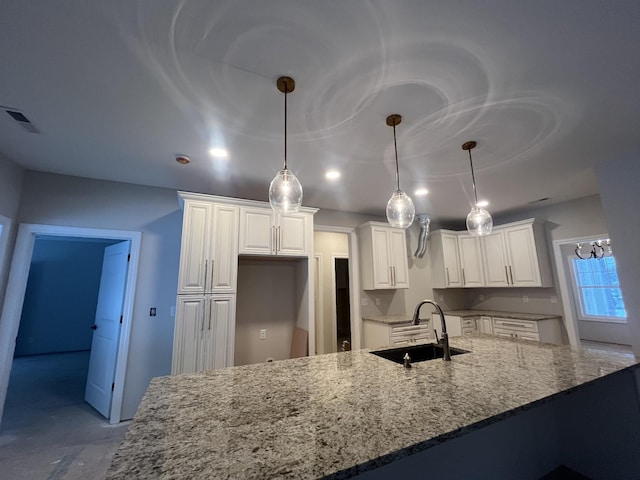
(206, 267)
(446, 272)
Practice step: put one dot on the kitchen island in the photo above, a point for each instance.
(345, 414)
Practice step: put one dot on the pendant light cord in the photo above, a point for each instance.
(286, 90)
(473, 179)
(395, 146)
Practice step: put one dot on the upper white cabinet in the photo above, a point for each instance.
(208, 263)
(264, 232)
(471, 261)
(513, 255)
(516, 255)
(494, 256)
(383, 253)
(445, 259)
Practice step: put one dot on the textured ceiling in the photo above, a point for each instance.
(548, 89)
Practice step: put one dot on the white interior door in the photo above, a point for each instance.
(106, 328)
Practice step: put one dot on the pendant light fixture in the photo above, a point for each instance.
(400, 209)
(479, 221)
(285, 191)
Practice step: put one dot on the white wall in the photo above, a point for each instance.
(73, 201)
(11, 178)
(618, 184)
(267, 291)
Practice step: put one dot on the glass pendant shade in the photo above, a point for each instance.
(400, 210)
(285, 192)
(479, 222)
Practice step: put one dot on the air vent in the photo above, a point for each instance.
(22, 120)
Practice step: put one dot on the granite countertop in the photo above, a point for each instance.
(336, 415)
(389, 319)
(495, 313)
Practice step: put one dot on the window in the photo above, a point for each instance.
(597, 290)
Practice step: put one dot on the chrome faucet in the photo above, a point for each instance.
(444, 341)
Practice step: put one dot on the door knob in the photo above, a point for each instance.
(94, 327)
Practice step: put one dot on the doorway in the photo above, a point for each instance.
(17, 286)
(342, 303)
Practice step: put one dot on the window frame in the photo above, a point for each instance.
(578, 297)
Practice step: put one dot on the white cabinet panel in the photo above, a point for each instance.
(522, 257)
(383, 256)
(208, 255)
(471, 261)
(494, 255)
(257, 235)
(204, 333)
(264, 232)
(445, 259)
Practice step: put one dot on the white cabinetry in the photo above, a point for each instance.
(264, 232)
(204, 334)
(513, 255)
(456, 326)
(445, 259)
(383, 254)
(471, 261)
(379, 334)
(547, 330)
(208, 263)
(485, 325)
(516, 255)
(215, 231)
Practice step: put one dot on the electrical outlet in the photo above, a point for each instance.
(263, 334)
(364, 301)
(377, 300)
(525, 299)
(173, 310)
(480, 297)
(152, 312)
(554, 299)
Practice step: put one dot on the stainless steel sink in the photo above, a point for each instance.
(417, 353)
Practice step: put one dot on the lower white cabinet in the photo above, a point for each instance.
(379, 334)
(456, 326)
(204, 333)
(484, 325)
(546, 331)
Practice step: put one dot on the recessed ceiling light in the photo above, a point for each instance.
(482, 203)
(332, 175)
(421, 192)
(183, 159)
(218, 152)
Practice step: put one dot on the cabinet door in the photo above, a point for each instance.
(451, 260)
(522, 256)
(224, 264)
(486, 325)
(257, 231)
(495, 261)
(293, 234)
(188, 334)
(195, 267)
(471, 261)
(381, 260)
(398, 258)
(219, 332)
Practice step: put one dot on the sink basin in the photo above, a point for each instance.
(418, 353)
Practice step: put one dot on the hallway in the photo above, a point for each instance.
(48, 432)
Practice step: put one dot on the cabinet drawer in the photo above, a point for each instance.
(402, 339)
(409, 329)
(502, 332)
(515, 325)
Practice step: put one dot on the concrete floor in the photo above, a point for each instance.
(48, 432)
